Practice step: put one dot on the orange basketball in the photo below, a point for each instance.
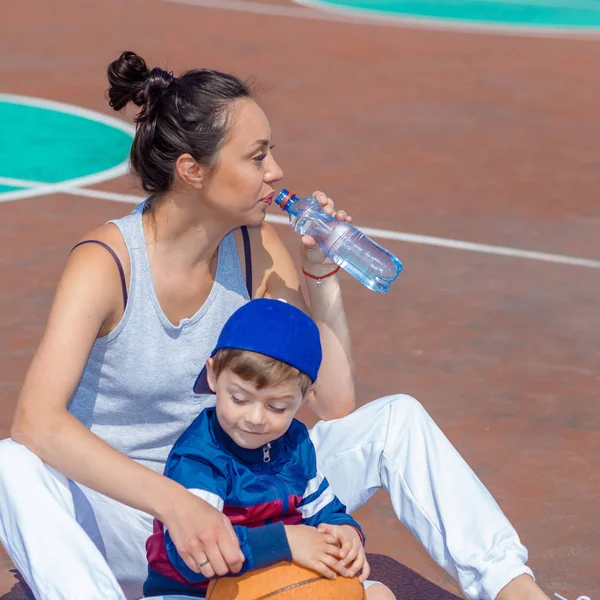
(285, 581)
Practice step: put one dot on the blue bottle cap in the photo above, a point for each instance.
(283, 198)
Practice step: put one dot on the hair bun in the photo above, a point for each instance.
(159, 79)
(127, 77)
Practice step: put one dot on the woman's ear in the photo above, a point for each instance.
(210, 375)
(190, 171)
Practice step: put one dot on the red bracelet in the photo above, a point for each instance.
(322, 276)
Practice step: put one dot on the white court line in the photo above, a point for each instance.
(361, 17)
(75, 187)
(66, 188)
(41, 189)
(384, 234)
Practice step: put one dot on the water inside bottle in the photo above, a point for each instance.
(364, 259)
(347, 246)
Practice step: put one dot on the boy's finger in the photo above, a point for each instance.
(346, 547)
(358, 564)
(334, 564)
(331, 539)
(365, 572)
(339, 568)
(352, 554)
(323, 569)
(333, 550)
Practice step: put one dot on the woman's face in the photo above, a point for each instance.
(241, 182)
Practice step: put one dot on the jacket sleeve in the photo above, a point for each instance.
(261, 546)
(319, 504)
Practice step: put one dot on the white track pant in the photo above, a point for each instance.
(71, 543)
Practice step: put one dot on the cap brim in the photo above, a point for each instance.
(201, 385)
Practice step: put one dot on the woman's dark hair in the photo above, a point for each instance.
(188, 114)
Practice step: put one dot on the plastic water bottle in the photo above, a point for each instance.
(343, 243)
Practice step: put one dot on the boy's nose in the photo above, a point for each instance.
(256, 417)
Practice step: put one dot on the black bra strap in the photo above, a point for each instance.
(248, 258)
(119, 265)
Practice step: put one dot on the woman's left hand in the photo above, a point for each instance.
(313, 259)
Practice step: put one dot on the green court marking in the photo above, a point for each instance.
(49, 146)
(562, 14)
(45, 142)
(8, 188)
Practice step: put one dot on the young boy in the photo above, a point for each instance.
(251, 459)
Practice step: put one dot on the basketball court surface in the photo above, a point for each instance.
(463, 136)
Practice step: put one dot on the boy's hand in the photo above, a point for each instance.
(313, 549)
(352, 553)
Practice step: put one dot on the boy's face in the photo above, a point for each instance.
(252, 417)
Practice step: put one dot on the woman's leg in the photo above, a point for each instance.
(377, 591)
(393, 443)
(123, 532)
(60, 535)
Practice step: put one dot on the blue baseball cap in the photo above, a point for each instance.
(273, 328)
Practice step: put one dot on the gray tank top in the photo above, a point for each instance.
(136, 388)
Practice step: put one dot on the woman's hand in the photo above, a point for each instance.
(201, 533)
(313, 550)
(313, 259)
(353, 559)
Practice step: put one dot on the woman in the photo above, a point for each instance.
(143, 298)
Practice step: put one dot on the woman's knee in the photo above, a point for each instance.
(399, 417)
(399, 407)
(407, 405)
(379, 591)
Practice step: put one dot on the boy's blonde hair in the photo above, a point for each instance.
(263, 371)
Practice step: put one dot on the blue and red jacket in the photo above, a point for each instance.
(259, 490)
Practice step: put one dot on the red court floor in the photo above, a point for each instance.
(483, 138)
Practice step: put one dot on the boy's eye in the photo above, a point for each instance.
(276, 409)
(238, 400)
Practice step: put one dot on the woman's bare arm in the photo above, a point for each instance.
(87, 298)
(277, 277)
(88, 295)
